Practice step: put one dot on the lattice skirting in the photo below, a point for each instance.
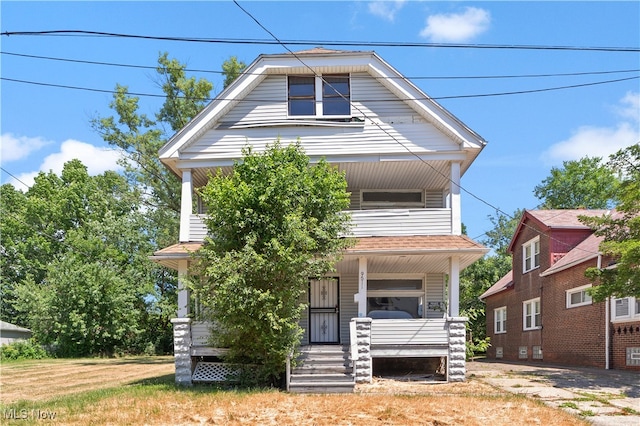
(213, 372)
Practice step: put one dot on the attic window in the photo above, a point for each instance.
(326, 96)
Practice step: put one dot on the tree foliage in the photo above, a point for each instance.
(83, 280)
(274, 222)
(621, 231)
(586, 183)
(231, 69)
(479, 276)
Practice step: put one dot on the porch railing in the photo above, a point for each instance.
(377, 222)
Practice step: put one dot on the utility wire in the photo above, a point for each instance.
(482, 95)
(470, 77)
(87, 33)
(448, 178)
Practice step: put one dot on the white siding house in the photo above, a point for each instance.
(403, 156)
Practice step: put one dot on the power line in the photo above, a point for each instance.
(481, 95)
(448, 178)
(87, 33)
(470, 77)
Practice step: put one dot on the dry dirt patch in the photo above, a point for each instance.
(45, 379)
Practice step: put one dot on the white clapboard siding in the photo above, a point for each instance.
(200, 332)
(434, 199)
(268, 101)
(391, 332)
(377, 223)
(197, 228)
(436, 305)
(400, 222)
(390, 126)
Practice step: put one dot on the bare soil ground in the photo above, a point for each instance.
(140, 391)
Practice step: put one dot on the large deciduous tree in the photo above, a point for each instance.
(586, 183)
(82, 276)
(621, 231)
(274, 222)
(478, 277)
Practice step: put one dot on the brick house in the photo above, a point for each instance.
(551, 315)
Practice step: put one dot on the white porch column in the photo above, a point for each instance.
(456, 214)
(454, 286)
(362, 287)
(183, 292)
(186, 205)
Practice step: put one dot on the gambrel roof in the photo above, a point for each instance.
(252, 110)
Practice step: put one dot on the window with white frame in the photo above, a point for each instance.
(531, 314)
(391, 198)
(579, 296)
(500, 320)
(319, 96)
(531, 255)
(395, 297)
(626, 308)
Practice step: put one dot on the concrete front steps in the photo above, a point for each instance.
(322, 369)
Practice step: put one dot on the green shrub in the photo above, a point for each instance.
(23, 349)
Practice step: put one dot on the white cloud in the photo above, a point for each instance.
(98, 160)
(456, 27)
(17, 148)
(386, 9)
(595, 141)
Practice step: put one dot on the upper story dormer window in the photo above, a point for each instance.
(531, 255)
(327, 96)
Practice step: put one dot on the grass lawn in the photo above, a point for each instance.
(140, 390)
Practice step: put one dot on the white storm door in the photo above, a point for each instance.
(324, 311)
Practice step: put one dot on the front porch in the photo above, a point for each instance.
(370, 338)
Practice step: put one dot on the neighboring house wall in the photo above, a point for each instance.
(573, 329)
(572, 335)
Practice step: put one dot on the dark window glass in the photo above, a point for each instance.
(302, 98)
(335, 95)
(392, 197)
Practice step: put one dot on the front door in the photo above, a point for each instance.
(324, 311)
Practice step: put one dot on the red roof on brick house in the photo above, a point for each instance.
(503, 283)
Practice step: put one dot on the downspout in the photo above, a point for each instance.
(607, 321)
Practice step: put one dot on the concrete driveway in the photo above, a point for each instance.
(601, 397)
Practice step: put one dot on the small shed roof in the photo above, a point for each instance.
(7, 326)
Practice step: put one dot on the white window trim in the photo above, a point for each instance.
(533, 316)
(632, 316)
(503, 320)
(531, 244)
(318, 94)
(575, 290)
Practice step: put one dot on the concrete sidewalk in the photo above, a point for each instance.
(601, 397)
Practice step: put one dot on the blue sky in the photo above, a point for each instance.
(41, 126)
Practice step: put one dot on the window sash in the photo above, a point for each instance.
(531, 317)
(302, 95)
(336, 95)
(500, 320)
(578, 296)
(531, 255)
